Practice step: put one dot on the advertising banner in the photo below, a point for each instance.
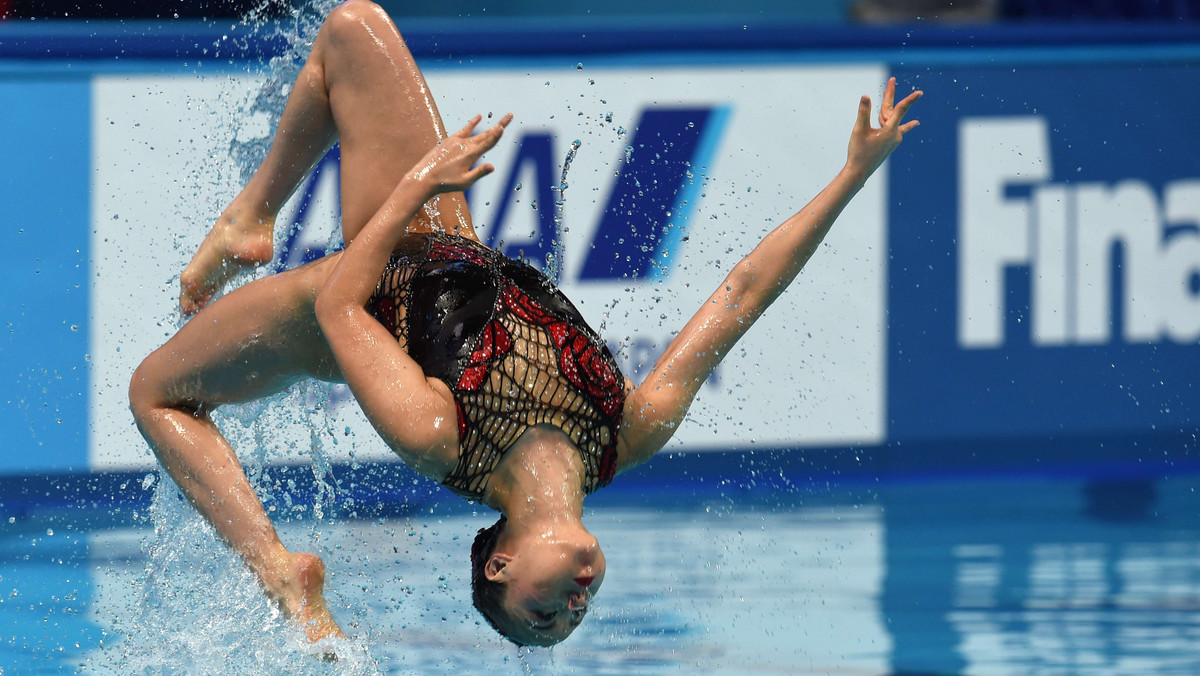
(1044, 277)
(643, 187)
(1025, 268)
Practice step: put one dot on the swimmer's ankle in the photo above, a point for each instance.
(245, 236)
(240, 240)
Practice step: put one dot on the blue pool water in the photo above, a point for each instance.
(995, 575)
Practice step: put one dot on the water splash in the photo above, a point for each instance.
(298, 32)
(200, 608)
(554, 259)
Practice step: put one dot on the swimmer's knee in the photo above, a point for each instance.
(146, 391)
(356, 19)
(142, 393)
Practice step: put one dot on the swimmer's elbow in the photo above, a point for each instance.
(330, 310)
(649, 422)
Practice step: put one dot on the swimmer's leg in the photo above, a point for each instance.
(250, 343)
(360, 86)
(242, 237)
(385, 115)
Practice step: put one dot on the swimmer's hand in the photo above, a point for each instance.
(870, 147)
(448, 166)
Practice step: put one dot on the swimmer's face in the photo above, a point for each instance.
(549, 583)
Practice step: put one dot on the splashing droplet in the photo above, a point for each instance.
(555, 257)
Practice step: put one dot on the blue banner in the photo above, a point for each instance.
(1042, 282)
(44, 187)
(1044, 278)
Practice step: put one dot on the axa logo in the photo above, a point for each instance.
(1111, 261)
(652, 195)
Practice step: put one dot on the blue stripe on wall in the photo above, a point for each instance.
(44, 304)
(457, 38)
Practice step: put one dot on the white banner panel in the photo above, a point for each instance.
(161, 171)
(810, 373)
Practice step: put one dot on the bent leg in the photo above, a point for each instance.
(360, 85)
(251, 343)
(385, 115)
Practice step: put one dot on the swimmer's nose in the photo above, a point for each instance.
(585, 582)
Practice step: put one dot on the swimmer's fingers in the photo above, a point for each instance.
(448, 167)
(483, 142)
(466, 131)
(902, 107)
(904, 128)
(870, 147)
(863, 124)
(488, 138)
(477, 173)
(889, 99)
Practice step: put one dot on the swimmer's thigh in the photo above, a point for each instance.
(385, 114)
(253, 342)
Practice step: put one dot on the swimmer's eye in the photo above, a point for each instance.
(543, 617)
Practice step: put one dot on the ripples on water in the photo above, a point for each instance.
(981, 576)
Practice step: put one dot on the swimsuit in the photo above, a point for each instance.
(512, 349)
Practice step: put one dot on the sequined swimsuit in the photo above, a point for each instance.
(512, 349)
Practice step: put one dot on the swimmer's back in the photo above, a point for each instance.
(512, 349)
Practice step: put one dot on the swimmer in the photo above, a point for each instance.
(472, 367)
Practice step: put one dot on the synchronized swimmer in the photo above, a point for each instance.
(472, 367)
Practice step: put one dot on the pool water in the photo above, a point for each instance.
(985, 575)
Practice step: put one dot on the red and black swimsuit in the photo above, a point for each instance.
(510, 346)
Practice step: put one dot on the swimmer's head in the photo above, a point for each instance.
(535, 590)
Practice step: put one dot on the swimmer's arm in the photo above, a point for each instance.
(445, 168)
(654, 410)
(414, 414)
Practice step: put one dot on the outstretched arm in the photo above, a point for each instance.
(415, 415)
(654, 409)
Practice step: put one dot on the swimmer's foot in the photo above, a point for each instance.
(239, 241)
(310, 610)
(302, 597)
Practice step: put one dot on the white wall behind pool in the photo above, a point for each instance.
(810, 374)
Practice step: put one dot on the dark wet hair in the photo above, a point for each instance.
(486, 595)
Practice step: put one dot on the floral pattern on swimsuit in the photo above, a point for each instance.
(512, 349)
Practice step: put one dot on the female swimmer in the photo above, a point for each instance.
(474, 369)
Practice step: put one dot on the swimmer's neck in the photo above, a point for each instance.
(540, 479)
